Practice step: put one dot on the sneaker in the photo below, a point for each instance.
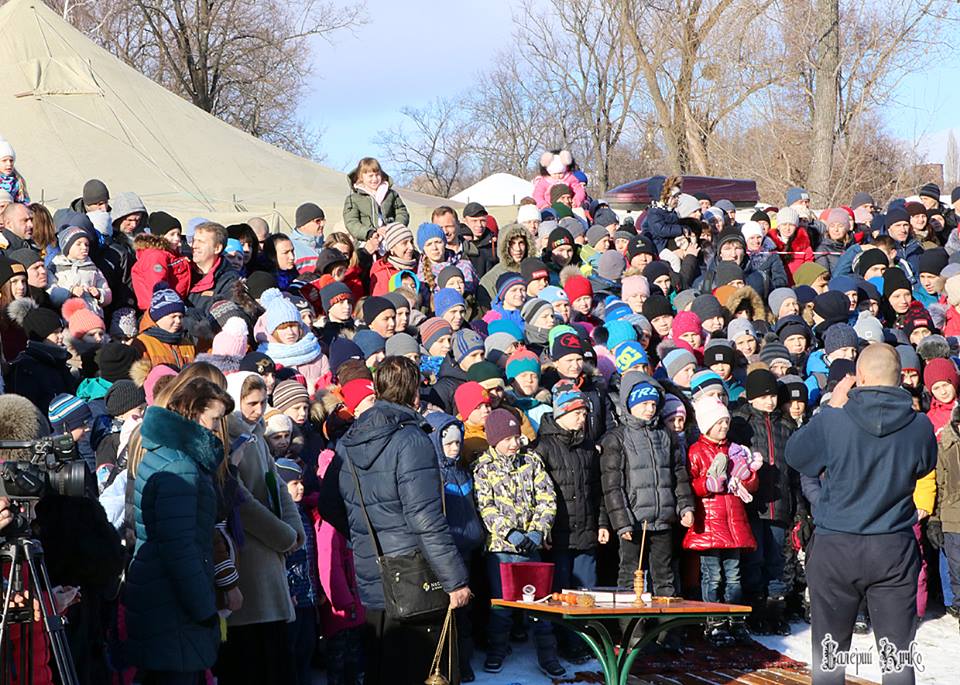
(738, 631)
(467, 675)
(492, 664)
(553, 668)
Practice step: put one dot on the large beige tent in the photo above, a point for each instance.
(73, 111)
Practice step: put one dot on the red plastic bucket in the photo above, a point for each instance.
(514, 575)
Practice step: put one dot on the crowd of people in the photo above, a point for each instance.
(264, 415)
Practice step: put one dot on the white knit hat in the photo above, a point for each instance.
(528, 213)
(6, 150)
(709, 410)
(751, 228)
(952, 288)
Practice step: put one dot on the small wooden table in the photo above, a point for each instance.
(645, 622)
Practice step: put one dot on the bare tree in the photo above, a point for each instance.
(951, 161)
(826, 91)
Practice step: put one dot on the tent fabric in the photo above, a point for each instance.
(73, 111)
(496, 189)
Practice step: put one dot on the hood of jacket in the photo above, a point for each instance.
(507, 234)
(746, 294)
(375, 428)
(439, 421)
(880, 410)
(164, 428)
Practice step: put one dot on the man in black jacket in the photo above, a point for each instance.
(388, 454)
(870, 447)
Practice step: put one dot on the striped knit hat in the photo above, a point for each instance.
(464, 342)
(432, 330)
(67, 412)
(394, 234)
(289, 393)
(520, 361)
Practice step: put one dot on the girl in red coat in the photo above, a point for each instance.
(722, 475)
(941, 380)
(791, 241)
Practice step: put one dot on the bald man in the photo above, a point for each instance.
(868, 447)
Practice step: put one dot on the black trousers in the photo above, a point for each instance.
(658, 561)
(843, 569)
(255, 653)
(401, 653)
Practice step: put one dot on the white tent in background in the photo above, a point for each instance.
(496, 190)
(73, 111)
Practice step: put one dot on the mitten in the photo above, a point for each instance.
(756, 462)
(536, 538)
(740, 469)
(717, 474)
(518, 540)
(716, 484)
(738, 452)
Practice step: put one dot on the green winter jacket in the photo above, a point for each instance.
(363, 214)
(513, 494)
(171, 606)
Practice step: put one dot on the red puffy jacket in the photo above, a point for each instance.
(720, 519)
(799, 249)
(156, 262)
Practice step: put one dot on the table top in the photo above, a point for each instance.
(652, 608)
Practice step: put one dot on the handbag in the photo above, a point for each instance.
(411, 590)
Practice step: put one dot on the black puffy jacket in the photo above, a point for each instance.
(600, 415)
(449, 379)
(400, 481)
(644, 472)
(573, 463)
(776, 498)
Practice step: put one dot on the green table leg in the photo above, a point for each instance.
(602, 647)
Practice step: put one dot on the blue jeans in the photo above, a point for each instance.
(572, 569)
(718, 565)
(950, 569)
(498, 628)
(763, 567)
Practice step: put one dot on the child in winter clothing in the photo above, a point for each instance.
(372, 202)
(73, 274)
(302, 579)
(525, 393)
(278, 432)
(287, 341)
(10, 179)
(722, 478)
(554, 169)
(125, 403)
(645, 480)
(461, 513)
(944, 526)
(517, 505)
(473, 408)
(157, 261)
(166, 342)
(941, 380)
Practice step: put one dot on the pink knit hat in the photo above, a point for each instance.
(634, 285)
(80, 319)
(156, 373)
(685, 322)
(231, 341)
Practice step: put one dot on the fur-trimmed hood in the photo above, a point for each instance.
(507, 234)
(139, 371)
(19, 308)
(746, 294)
(148, 241)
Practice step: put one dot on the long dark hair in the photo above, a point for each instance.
(193, 398)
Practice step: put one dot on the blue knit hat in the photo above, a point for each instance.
(429, 232)
(165, 301)
(619, 332)
(369, 342)
(506, 281)
(280, 310)
(566, 401)
(642, 392)
(553, 294)
(505, 326)
(288, 470)
(67, 412)
(615, 310)
(445, 299)
(629, 354)
(464, 342)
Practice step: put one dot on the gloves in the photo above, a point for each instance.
(717, 485)
(523, 543)
(738, 452)
(741, 469)
(535, 537)
(737, 488)
(717, 474)
(935, 534)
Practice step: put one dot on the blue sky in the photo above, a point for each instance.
(416, 50)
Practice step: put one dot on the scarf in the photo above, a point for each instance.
(402, 264)
(166, 337)
(304, 351)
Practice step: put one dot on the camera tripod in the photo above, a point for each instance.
(19, 555)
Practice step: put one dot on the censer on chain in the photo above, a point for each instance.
(638, 574)
(446, 635)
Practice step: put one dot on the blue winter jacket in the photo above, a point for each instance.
(661, 224)
(171, 606)
(397, 468)
(458, 496)
(871, 452)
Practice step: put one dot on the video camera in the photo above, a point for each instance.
(53, 466)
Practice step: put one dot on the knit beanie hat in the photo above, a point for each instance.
(933, 261)
(81, 320)
(532, 309)
(683, 300)
(558, 190)
(909, 359)
(164, 301)
(260, 282)
(222, 310)
(795, 388)
(788, 215)
(703, 380)
(938, 370)
(68, 412)
(124, 323)
(123, 396)
(448, 272)
(842, 284)
(807, 273)
(672, 406)
(611, 265)
(6, 150)
(792, 325)
(774, 351)
(288, 470)
(778, 297)
(616, 310)
(486, 374)
(931, 190)
(577, 286)
(870, 258)
(506, 281)
(25, 255)
(677, 360)
(95, 191)
(706, 307)
(642, 392)
(401, 344)
(553, 294)
(115, 360)
(394, 234)
(564, 344)
(893, 280)
(69, 236)
(727, 272)
(432, 330)
(752, 228)
(628, 355)
(374, 307)
(427, 231)
(719, 351)
(307, 212)
(356, 391)
(895, 216)
(464, 342)
(446, 299)
(533, 269)
(370, 342)
(231, 341)
(289, 393)
(500, 425)
(558, 238)
(657, 305)
(618, 332)
(685, 322)
(452, 433)
(634, 285)
(276, 421)
(342, 349)
(334, 293)
(740, 327)
(760, 383)
(397, 299)
(468, 396)
(917, 317)
(832, 306)
(709, 410)
(520, 361)
(566, 401)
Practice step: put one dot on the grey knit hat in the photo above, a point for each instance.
(778, 297)
(400, 344)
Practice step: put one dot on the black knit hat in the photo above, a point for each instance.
(533, 269)
(726, 272)
(833, 306)
(933, 261)
(257, 362)
(657, 305)
(374, 307)
(761, 382)
(328, 258)
(259, 282)
(123, 396)
(564, 344)
(760, 215)
(115, 360)
(161, 222)
(9, 269)
(931, 190)
(25, 255)
(333, 293)
(870, 258)
(893, 280)
(558, 238)
(719, 351)
(307, 212)
(706, 306)
(40, 322)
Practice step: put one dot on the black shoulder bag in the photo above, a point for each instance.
(411, 590)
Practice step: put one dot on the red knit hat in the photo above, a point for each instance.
(577, 286)
(356, 391)
(468, 397)
(940, 369)
(685, 322)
